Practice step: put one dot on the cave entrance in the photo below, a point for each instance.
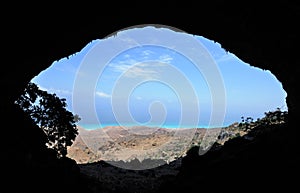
(158, 77)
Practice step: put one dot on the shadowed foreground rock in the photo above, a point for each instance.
(243, 164)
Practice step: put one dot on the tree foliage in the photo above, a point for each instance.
(49, 112)
(271, 117)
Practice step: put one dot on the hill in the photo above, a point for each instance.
(117, 143)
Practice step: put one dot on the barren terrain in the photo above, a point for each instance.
(118, 143)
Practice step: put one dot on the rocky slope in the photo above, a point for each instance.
(179, 175)
(120, 143)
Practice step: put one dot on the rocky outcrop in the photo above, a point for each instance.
(242, 164)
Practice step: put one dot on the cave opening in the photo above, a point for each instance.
(249, 98)
(97, 89)
(264, 35)
(250, 91)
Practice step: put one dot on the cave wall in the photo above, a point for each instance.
(263, 35)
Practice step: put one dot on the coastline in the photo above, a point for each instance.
(167, 126)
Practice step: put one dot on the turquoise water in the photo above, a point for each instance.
(171, 126)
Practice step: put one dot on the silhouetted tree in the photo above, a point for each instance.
(275, 117)
(270, 118)
(49, 112)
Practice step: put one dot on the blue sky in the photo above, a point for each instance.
(160, 77)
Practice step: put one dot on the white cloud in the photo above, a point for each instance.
(165, 58)
(60, 91)
(56, 91)
(141, 71)
(122, 66)
(147, 52)
(128, 40)
(127, 56)
(119, 67)
(134, 69)
(151, 70)
(102, 94)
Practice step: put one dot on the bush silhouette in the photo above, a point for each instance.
(49, 112)
(270, 118)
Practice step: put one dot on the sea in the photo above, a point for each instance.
(91, 126)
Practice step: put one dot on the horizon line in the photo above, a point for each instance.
(90, 126)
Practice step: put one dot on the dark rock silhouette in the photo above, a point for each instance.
(241, 165)
(32, 167)
(263, 35)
